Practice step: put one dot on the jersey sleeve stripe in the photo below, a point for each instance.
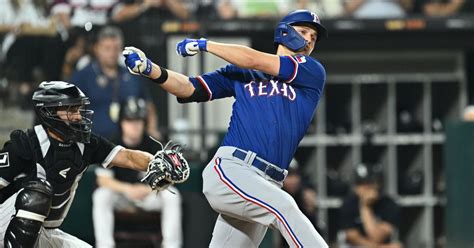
(295, 70)
(203, 82)
(111, 156)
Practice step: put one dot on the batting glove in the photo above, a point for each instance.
(136, 61)
(190, 47)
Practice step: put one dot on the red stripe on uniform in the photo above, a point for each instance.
(203, 82)
(295, 71)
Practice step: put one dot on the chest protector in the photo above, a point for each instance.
(63, 165)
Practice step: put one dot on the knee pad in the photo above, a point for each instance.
(32, 205)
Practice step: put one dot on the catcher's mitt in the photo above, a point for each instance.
(167, 167)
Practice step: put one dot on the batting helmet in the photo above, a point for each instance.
(286, 35)
(49, 97)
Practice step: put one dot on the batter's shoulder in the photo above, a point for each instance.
(313, 60)
(312, 64)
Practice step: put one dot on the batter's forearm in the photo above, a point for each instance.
(245, 57)
(176, 84)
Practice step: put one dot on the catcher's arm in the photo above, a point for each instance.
(132, 159)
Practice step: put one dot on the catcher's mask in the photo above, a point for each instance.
(58, 95)
(286, 35)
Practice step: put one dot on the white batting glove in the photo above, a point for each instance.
(190, 47)
(136, 61)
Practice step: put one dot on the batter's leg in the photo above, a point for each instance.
(242, 192)
(231, 232)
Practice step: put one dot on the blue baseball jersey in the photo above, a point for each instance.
(271, 114)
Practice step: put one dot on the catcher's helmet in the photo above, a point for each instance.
(289, 37)
(49, 97)
(133, 108)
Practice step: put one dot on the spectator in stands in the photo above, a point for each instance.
(80, 20)
(26, 48)
(439, 8)
(121, 188)
(324, 8)
(132, 15)
(78, 13)
(229, 9)
(368, 218)
(203, 9)
(377, 8)
(107, 83)
(129, 9)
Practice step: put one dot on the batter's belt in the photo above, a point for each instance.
(271, 170)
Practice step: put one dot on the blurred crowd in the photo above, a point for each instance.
(49, 39)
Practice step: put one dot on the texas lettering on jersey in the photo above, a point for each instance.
(270, 88)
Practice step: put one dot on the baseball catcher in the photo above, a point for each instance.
(40, 168)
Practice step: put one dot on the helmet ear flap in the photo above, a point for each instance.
(286, 35)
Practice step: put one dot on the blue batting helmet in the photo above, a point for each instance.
(289, 37)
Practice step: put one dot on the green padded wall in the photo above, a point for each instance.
(459, 166)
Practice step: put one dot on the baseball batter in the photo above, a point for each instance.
(275, 100)
(40, 169)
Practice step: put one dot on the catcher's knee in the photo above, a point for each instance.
(32, 205)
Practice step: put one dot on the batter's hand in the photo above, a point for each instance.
(190, 47)
(137, 62)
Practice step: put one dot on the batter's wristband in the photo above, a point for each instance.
(163, 77)
(147, 70)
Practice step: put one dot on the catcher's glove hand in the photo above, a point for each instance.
(167, 167)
